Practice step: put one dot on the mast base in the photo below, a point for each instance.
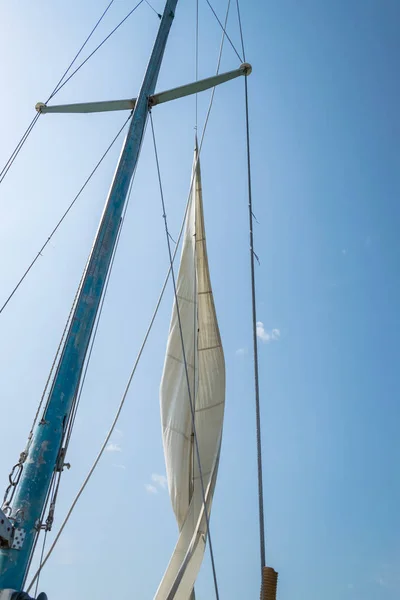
(14, 595)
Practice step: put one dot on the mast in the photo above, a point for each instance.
(44, 452)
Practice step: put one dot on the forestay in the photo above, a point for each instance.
(206, 373)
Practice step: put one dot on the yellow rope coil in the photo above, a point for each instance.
(269, 584)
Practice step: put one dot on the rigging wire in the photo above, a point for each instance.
(223, 27)
(39, 524)
(101, 44)
(221, 47)
(240, 29)
(195, 343)
(14, 478)
(13, 156)
(41, 562)
(28, 269)
(16, 471)
(253, 255)
(145, 339)
(153, 9)
(196, 60)
(192, 457)
(18, 147)
(255, 346)
(196, 442)
(54, 92)
(61, 84)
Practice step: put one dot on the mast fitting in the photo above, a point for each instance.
(246, 68)
(158, 98)
(10, 536)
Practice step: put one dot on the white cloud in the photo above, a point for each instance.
(267, 336)
(241, 352)
(112, 447)
(160, 480)
(160, 483)
(123, 467)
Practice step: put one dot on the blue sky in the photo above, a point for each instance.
(325, 129)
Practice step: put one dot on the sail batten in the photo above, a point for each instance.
(204, 394)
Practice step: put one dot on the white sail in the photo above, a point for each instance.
(206, 371)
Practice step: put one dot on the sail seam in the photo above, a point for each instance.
(169, 428)
(210, 348)
(188, 300)
(209, 408)
(180, 361)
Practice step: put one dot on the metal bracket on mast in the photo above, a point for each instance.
(10, 536)
(160, 98)
(6, 531)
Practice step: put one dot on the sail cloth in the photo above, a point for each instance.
(206, 373)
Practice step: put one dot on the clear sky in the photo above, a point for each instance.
(324, 130)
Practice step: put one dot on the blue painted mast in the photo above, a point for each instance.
(30, 497)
